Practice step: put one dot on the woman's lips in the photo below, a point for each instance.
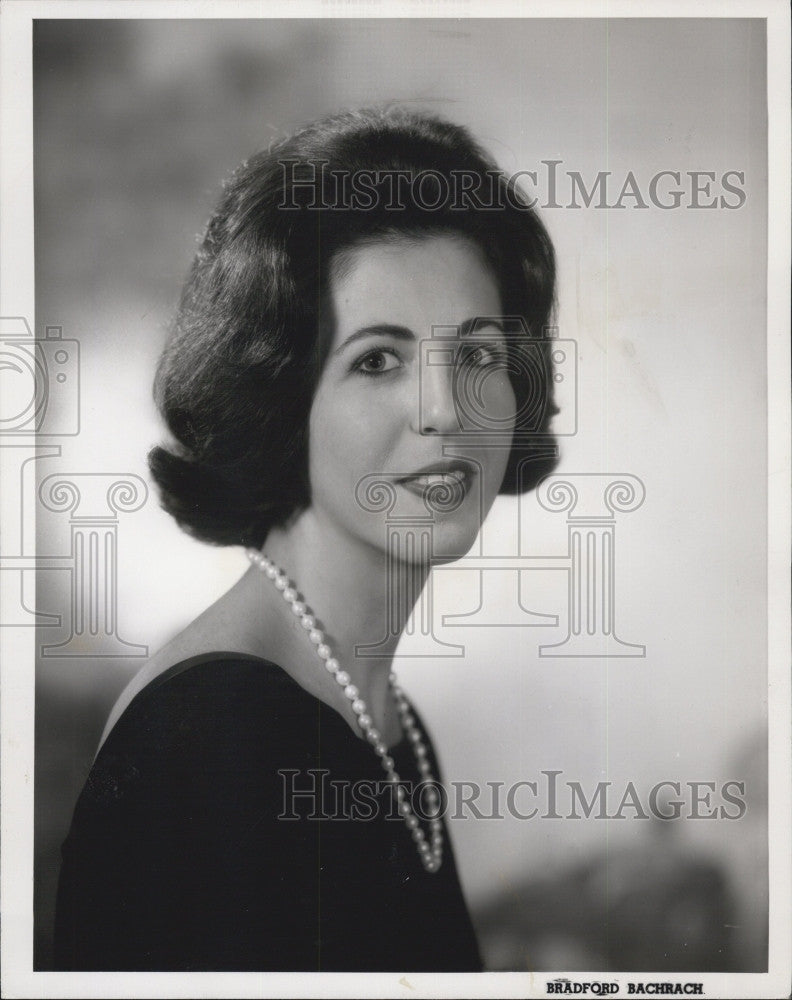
(457, 479)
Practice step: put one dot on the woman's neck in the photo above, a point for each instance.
(358, 600)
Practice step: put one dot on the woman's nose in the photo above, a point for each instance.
(437, 411)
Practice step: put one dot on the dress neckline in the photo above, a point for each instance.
(143, 684)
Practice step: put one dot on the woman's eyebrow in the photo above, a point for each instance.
(465, 328)
(381, 329)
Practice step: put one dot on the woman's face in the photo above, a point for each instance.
(387, 407)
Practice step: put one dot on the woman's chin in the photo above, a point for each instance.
(452, 539)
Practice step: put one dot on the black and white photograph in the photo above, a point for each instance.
(396, 469)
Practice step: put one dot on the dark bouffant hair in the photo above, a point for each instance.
(236, 380)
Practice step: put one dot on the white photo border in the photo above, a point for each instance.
(17, 677)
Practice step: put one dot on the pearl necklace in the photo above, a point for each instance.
(431, 855)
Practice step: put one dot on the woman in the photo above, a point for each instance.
(263, 797)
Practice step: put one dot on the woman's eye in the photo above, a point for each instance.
(482, 356)
(377, 362)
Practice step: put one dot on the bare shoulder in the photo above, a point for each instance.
(245, 623)
(219, 630)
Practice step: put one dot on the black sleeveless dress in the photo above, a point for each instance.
(232, 821)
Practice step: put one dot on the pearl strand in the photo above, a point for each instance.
(430, 853)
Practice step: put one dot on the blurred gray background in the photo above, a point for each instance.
(136, 122)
